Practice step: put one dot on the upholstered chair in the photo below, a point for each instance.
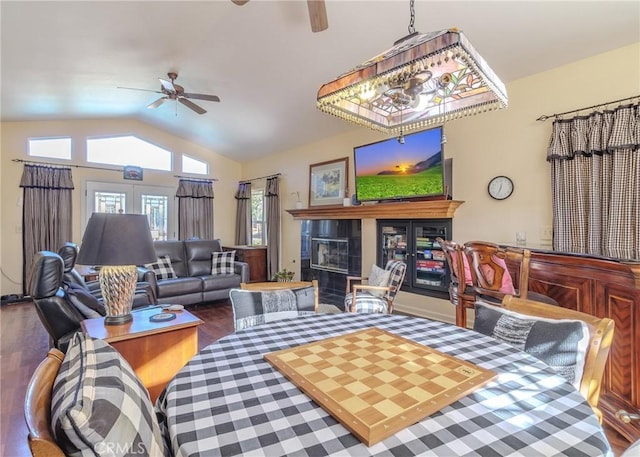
(375, 296)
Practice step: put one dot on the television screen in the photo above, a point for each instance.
(391, 170)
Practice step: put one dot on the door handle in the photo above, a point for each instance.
(627, 417)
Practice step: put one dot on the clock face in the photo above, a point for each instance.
(500, 187)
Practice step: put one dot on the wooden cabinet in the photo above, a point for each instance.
(256, 257)
(604, 288)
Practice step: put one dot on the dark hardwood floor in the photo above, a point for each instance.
(25, 343)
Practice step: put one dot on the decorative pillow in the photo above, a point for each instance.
(100, 407)
(162, 268)
(378, 277)
(88, 305)
(560, 343)
(222, 263)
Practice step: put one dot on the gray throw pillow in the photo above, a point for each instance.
(378, 277)
(88, 305)
(560, 343)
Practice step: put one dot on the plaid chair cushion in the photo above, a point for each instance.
(253, 307)
(99, 406)
(222, 263)
(367, 303)
(560, 343)
(397, 271)
(162, 268)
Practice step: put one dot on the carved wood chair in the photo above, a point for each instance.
(462, 297)
(600, 338)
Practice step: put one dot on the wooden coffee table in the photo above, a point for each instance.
(155, 350)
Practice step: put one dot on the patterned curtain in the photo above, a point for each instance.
(595, 178)
(243, 214)
(46, 214)
(195, 209)
(273, 225)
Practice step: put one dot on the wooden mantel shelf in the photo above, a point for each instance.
(430, 209)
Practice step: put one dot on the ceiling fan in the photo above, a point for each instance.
(173, 91)
(317, 14)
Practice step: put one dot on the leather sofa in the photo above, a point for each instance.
(191, 262)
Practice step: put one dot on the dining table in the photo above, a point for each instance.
(228, 400)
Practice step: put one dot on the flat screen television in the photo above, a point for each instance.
(392, 170)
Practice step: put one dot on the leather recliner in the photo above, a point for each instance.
(59, 316)
(145, 293)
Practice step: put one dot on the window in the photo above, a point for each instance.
(128, 150)
(194, 166)
(258, 229)
(52, 148)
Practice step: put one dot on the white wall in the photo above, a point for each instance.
(14, 145)
(507, 142)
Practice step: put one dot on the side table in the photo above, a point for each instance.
(155, 350)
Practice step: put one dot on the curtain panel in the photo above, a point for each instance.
(595, 179)
(273, 225)
(46, 212)
(243, 214)
(195, 209)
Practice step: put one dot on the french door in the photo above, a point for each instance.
(157, 202)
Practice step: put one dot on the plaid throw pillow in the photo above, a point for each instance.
(162, 268)
(100, 407)
(222, 263)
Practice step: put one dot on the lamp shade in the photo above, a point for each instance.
(117, 239)
(423, 79)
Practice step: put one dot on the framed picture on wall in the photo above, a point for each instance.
(328, 182)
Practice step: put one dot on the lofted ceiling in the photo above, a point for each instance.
(65, 60)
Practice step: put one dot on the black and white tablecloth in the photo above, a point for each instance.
(229, 401)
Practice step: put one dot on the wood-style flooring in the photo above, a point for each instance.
(25, 343)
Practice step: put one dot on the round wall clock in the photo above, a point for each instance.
(500, 187)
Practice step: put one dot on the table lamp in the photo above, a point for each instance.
(117, 243)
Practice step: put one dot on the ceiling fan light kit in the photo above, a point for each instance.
(424, 79)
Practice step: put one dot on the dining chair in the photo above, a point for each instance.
(375, 293)
(264, 302)
(462, 298)
(549, 333)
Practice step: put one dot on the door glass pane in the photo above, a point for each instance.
(109, 202)
(156, 208)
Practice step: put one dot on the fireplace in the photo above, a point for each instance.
(330, 251)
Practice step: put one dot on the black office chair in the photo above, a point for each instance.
(59, 316)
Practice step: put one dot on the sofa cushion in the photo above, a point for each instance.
(162, 268)
(211, 282)
(175, 250)
(179, 286)
(222, 263)
(198, 256)
(100, 407)
(560, 343)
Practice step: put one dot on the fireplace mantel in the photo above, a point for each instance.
(430, 209)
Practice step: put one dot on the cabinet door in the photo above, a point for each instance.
(430, 264)
(394, 243)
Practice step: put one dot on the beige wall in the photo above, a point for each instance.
(507, 142)
(14, 145)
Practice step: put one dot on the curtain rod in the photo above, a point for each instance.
(67, 165)
(196, 179)
(544, 117)
(260, 177)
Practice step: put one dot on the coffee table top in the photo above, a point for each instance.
(139, 326)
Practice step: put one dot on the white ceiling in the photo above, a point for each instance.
(65, 60)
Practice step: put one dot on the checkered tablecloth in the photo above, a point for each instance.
(229, 401)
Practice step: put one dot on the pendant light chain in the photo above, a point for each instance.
(412, 20)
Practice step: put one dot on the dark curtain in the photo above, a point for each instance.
(595, 178)
(272, 199)
(195, 209)
(46, 214)
(243, 214)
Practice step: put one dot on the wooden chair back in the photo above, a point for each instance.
(488, 266)
(460, 293)
(280, 285)
(600, 338)
(37, 407)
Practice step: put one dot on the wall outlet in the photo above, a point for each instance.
(546, 233)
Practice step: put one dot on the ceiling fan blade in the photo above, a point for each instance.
(158, 102)
(317, 15)
(211, 98)
(239, 2)
(193, 106)
(135, 88)
(167, 85)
